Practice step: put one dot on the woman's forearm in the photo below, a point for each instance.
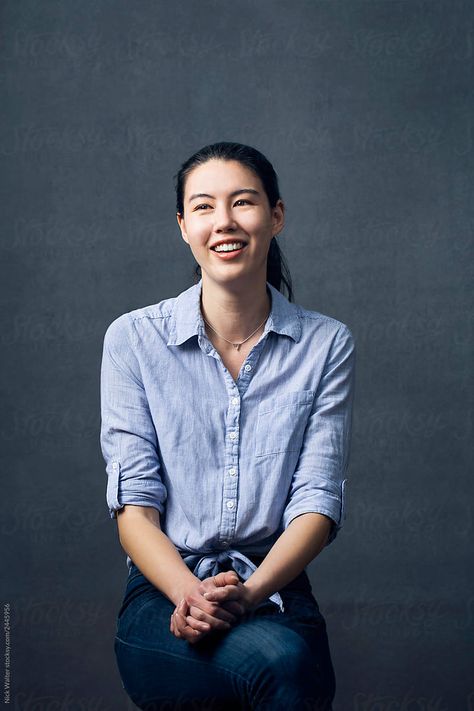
(297, 546)
(153, 552)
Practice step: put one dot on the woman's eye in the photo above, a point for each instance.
(205, 204)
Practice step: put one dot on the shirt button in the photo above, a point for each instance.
(225, 543)
(235, 400)
(232, 472)
(248, 367)
(230, 504)
(114, 465)
(233, 435)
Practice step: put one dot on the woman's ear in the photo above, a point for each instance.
(180, 220)
(278, 217)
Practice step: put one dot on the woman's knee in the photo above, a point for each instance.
(288, 658)
(289, 676)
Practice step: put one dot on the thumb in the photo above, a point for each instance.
(228, 577)
(231, 577)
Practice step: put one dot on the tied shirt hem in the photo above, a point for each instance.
(205, 565)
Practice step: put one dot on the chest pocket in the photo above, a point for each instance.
(281, 421)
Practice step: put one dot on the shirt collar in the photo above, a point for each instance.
(187, 318)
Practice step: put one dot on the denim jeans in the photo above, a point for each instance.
(268, 661)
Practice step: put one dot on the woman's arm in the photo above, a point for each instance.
(152, 551)
(304, 538)
(297, 546)
(156, 557)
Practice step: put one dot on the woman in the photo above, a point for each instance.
(226, 419)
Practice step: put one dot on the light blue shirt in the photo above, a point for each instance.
(228, 464)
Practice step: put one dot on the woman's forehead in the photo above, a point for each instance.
(222, 174)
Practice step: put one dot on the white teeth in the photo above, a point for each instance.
(228, 247)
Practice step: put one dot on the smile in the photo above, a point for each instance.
(227, 253)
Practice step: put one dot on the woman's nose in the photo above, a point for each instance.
(223, 218)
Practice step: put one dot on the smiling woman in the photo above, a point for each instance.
(233, 218)
(226, 424)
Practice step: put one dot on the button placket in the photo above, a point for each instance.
(232, 436)
(230, 482)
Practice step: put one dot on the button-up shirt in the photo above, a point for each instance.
(227, 463)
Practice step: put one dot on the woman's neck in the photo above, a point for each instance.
(235, 315)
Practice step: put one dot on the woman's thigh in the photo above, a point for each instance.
(267, 660)
(160, 671)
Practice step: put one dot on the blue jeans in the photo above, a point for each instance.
(269, 660)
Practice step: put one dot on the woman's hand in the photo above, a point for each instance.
(195, 616)
(226, 594)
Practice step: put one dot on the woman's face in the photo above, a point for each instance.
(225, 201)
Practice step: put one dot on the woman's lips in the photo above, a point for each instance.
(229, 255)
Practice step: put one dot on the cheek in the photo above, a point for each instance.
(198, 233)
(256, 223)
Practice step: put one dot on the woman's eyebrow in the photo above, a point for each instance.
(236, 192)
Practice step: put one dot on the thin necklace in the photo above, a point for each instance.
(236, 345)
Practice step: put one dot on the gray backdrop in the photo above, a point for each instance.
(365, 110)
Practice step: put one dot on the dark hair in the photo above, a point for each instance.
(277, 269)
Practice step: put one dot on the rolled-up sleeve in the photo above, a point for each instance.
(319, 481)
(128, 438)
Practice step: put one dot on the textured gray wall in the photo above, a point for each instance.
(365, 110)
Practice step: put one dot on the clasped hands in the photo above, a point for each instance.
(214, 603)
